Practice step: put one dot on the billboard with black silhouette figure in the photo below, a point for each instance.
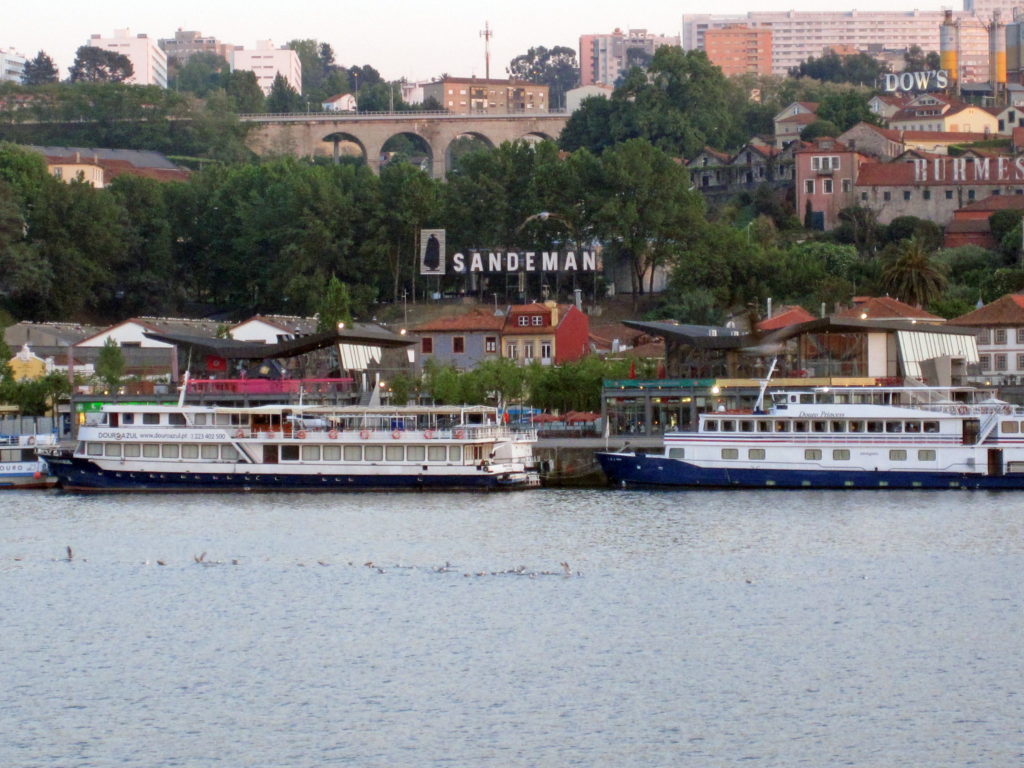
(432, 252)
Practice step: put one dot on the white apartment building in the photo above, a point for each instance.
(147, 58)
(267, 62)
(12, 65)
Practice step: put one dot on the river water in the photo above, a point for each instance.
(692, 629)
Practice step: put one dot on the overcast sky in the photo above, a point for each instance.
(416, 40)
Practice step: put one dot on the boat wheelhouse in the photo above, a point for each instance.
(296, 447)
(856, 437)
(20, 465)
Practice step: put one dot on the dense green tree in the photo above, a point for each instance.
(916, 60)
(283, 98)
(556, 68)
(912, 276)
(244, 90)
(818, 129)
(381, 97)
(846, 108)
(40, 70)
(110, 364)
(859, 68)
(97, 65)
(202, 73)
(335, 307)
(410, 201)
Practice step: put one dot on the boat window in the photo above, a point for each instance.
(112, 449)
(747, 425)
(755, 454)
(228, 453)
(826, 397)
(176, 419)
(132, 450)
(221, 419)
(677, 453)
(289, 453)
(95, 449)
(169, 451)
(311, 453)
(150, 450)
(894, 426)
(807, 398)
(332, 453)
(199, 419)
(353, 453)
(819, 426)
(841, 454)
(209, 452)
(897, 454)
(856, 426)
(1009, 428)
(1013, 467)
(437, 453)
(151, 418)
(838, 426)
(781, 426)
(395, 453)
(812, 454)
(190, 451)
(373, 452)
(876, 426)
(912, 426)
(240, 419)
(415, 453)
(710, 425)
(841, 399)
(728, 425)
(127, 418)
(764, 426)
(931, 426)
(800, 426)
(730, 453)
(455, 454)
(926, 454)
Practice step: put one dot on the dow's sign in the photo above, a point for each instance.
(914, 82)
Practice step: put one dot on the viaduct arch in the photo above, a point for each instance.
(320, 135)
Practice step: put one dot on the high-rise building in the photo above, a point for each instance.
(267, 62)
(738, 49)
(603, 58)
(12, 65)
(185, 43)
(148, 60)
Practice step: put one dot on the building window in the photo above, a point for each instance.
(970, 194)
(458, 345)
(984, 336)
(826, 186)
(1000, 362)
(864, 196)
(491, 344)
(1020, 335)
(906, 194)
(528, 350)
(949, 194)
(847, 185)
(538, 320)
(545, 350)
(1000, 336)
(984, 362)
(887, 196)
(1020, 362)
(511, 350)
(926, 194)
(427, 345)
(523, 321)
(809, 186)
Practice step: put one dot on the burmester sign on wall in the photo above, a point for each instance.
(969, 169)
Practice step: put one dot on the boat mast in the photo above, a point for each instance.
(759, 405)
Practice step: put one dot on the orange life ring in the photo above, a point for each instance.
(459, 434)
(429, 434)
(395, 434)
(31, 440)
(364, 433)
(333, 434)
(239, 433)
(301, 434)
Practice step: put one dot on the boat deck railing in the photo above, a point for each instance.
(459, 432)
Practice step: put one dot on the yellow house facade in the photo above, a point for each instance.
(27, 365)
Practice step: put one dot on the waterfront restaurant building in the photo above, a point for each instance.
(710, 368)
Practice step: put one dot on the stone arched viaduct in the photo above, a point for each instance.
(313, 135)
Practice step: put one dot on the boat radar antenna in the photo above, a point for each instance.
(759, 405)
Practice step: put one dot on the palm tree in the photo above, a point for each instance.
(912, 276)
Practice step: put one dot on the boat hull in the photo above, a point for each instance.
(646, 471)
(82, 475)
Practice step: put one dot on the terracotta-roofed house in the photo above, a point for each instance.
(886, 309)
(872, 140)
(970, 224)
(785, 317)
(825, 173)
(548, 332)
(1000, 327)
(461, 340)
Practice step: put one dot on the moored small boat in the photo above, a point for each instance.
(20, 465)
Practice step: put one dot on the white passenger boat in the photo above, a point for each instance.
(296, 447)
(20, 465)
(864, 437)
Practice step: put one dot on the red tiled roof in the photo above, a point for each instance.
(1006, 310)
(952, 137)
(886, 308)
(802, 117)
(964, 226)
(785, 317)
(996, 203)
(477, 320)
(902, 174)
(811, 105)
